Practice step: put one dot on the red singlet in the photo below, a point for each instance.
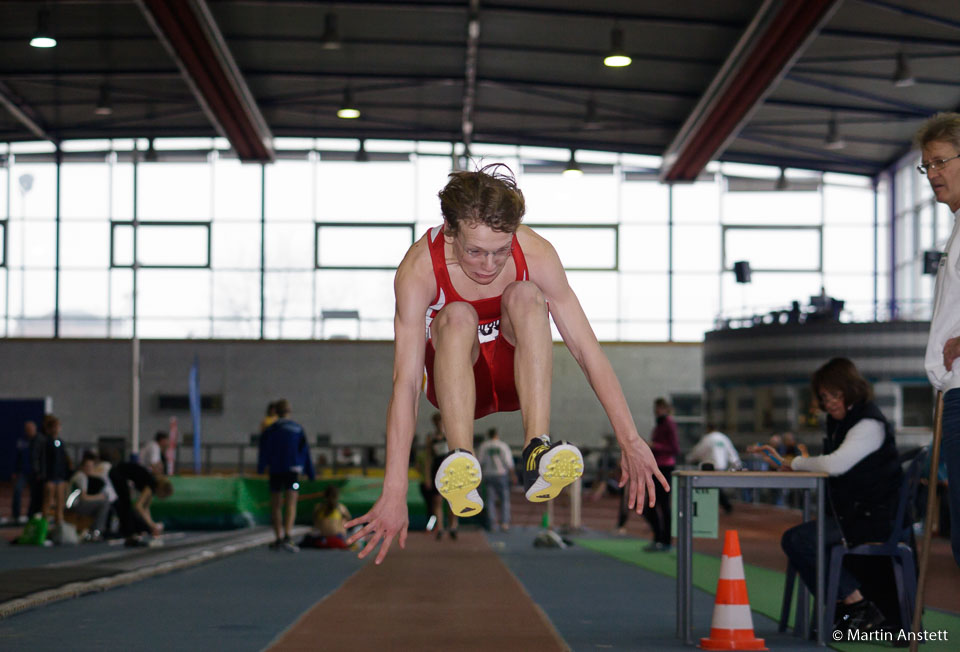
(493, 371)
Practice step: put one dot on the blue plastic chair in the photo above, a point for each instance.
(897, 547)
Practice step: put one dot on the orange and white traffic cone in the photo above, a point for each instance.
(732, 626)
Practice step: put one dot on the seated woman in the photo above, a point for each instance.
(328, 519)
(860, 456)
(88, 497)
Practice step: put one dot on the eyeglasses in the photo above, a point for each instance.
(924, 168)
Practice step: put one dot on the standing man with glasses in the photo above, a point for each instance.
(939, 141)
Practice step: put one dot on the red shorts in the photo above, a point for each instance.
(492, 375)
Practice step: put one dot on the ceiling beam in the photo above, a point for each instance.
(23, 113)
(193, 39)
(774, 40)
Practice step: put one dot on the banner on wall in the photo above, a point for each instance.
(195, 414)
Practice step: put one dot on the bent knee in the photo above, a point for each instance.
(457, 316)
(525, 293)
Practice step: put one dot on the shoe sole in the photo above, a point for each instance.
(560, 466)
(457, 480)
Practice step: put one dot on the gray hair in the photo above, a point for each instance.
(943, 127)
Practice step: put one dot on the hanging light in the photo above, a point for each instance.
(573, 168)
(617, 57)
(361, 156)
(348, 109)
(104, 105)
(330, 40)
(903, 75)
(43, 37)
(834, 140)
(781, 183)
(150, 156)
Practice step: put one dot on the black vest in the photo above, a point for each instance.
(864, 499)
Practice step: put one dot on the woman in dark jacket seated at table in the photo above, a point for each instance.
(861, 458)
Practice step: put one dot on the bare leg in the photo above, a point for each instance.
(454, 335)
(276, 506)
(291, 513)
(525, 323)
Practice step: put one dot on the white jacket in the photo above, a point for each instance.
(717, 449)
(945, 323)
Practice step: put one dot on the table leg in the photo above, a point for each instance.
(820, 610)
(687, 496)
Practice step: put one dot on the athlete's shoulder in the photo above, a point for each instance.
(415, 277)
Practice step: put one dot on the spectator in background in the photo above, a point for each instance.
(88, 496)
(270, 417)
(127, 476)
(434, 450)
(716, 452)
(665, 447)
(939, 140)
(328, 519)
(284, 450)
(151, 455)
(38, 474)
(22, 469)
(58, 467)
(496, 463)
(860, 456)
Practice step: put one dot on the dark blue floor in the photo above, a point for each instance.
(245, 601)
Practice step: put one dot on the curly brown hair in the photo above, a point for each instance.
(841, 375)
(943, 127)
(488, 196)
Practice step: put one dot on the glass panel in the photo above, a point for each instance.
(362, 246)
(235, 245)
(643, 298)
(794, 249)
(34, 190)
(431, 177)
(551, 198)
(644, 201)
(590, 248)
(122, 255)
(696, 297)
(288, 295)
(174, 191)
(847, 205)
(373, 191)
(847, 249)
(696, 248)
(696, 202)
(85, 191)
(83, 303)
(691, 331)
(32, 243)
(174, 293)
(85, 244)
(597, 292)
(782, 207)
(856, 291)
(643, 248)
(173, 245)
(236, 191)
(122, 203)
(290, 246)
(290, 191)
(767, 291)
(368, 292)
(236, 304)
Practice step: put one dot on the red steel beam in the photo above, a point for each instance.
(750, 73)
(190, 34)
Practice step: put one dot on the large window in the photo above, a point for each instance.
(192, 243)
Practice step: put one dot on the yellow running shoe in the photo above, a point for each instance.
(548, 468)
(457, 480)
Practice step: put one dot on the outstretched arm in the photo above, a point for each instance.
(638, 468)
(388, 517)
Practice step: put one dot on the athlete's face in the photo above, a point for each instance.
(481, 251)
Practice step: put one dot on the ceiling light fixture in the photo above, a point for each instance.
(348, 109)
(781, 183)
(617, 57)
(104, 105)
(834, 140)
(43, 37)
(903, 75)
(361, 156)
(572, 169)
(330, 40)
